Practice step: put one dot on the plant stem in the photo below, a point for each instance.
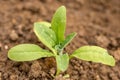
(70, 57)
(54, 52)
(58, 72)
(61, 52)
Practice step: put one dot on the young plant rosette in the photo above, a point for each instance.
(52, 36)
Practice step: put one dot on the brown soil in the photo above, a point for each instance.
(97, 22)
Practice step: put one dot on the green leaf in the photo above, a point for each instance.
(45, 35)
(47, 24)
(95, 54)
(67, 40)
(27, 52)
(58, 23)
(62, 62)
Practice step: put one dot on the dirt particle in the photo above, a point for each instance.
(52, 71)
(46, 1)
(13, 77)
(43, 11)
(25, 67)
(98, 77)
(80, 1)
(35, 69)
(13, 36)
(114, 42)
(102, 40)
(60, 77)
(117, 54)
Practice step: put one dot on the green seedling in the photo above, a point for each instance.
(52, 36)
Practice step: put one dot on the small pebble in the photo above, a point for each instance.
(13, 36)
(52, 71)
(6, 47)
